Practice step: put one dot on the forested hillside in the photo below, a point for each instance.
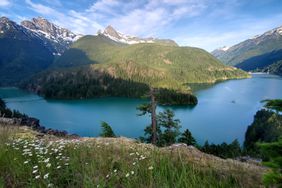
(107, 64)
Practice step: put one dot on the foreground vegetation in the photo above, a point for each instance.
(29, 161)
(47, 161)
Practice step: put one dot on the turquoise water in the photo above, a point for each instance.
(222, 115)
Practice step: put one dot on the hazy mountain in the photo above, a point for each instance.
(260, 45)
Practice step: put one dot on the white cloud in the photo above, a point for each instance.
(247, 29)
(53, 2)
(143, 17)
(41, 9)
(158, 18)
(72, 20)
(4, 3)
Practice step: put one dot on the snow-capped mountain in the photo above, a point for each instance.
(23, 52)
(258, 45)
(59, 37)
(218, 52)
(114, 35)
(11, 29)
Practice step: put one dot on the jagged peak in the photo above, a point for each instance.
(109, 27)
(117, 36)
(109, 30)
(50, 30)
(4, 19)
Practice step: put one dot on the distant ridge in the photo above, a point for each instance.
(259, 45)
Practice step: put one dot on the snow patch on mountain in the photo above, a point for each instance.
(49, 30)
(224, 48)
(117, 36)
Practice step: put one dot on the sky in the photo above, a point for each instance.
(208, 24)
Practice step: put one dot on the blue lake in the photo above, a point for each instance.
(223, 113)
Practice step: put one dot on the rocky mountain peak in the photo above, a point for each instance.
(6, 23)
(4, 19)
(109, 30)
(113, 34)
(49, 30)
(11, 29)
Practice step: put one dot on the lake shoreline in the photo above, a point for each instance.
(216, 118)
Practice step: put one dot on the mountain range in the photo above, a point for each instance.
(111, 64)
(254, 54)
(30, 47)
(58, 63)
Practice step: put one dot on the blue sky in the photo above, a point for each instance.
(207, 24)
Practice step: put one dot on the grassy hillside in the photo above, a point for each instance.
(97, 59)
(154, 64)
(28, 159)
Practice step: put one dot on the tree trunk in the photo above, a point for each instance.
(153, 116)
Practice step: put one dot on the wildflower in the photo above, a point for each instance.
(50, 185)
(26, 162)
(35, 171)
(26, 150)
(127, 175)
(131, 154)
(48, 165)
(37, 177)
(47, 160)
(66, 164)
(115, 170)
(35, 167)
(151, 168)
(58, 167)
(132, 172)
(108, 176)
(46, 176)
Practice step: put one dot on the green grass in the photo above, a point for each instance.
(102, 163)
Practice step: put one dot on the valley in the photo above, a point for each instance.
(110, 64)
(214, 118)
(129, 94)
